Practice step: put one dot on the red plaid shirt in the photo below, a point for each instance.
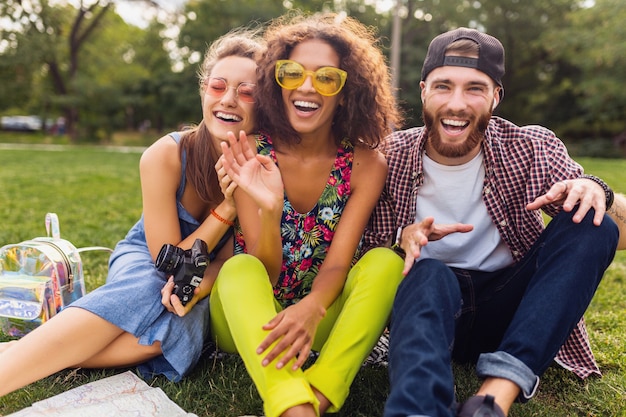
(521, 163)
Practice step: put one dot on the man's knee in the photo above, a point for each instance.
(429, 278)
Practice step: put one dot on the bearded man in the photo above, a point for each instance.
(486, 282)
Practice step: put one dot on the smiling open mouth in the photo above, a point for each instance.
(305, 105)
(454, 125)
(227, 117)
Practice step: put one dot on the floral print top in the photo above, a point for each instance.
(306, 237)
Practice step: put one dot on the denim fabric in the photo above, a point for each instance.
(504, 365)
(131, 298)
(524, 312)
(420, 342)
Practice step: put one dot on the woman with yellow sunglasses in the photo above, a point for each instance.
(306, 189)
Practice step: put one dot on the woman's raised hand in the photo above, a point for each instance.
(257, 175)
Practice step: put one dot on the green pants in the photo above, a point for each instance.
(242, 301)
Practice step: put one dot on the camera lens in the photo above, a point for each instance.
(168, 258)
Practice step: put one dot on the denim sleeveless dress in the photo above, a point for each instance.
(131, 299)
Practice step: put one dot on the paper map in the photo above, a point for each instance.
(122, 395)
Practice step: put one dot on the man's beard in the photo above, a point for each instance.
(458, 150)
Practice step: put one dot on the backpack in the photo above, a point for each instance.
(39, 278)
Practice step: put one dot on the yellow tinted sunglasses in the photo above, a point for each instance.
(328, 81)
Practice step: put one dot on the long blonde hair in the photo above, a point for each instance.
(202, 153)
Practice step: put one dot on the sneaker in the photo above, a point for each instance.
(480, 406)
(379, 356)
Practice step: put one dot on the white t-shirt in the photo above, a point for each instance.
(453, 194)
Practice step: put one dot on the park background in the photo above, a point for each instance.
(119, 83)
(106, 76)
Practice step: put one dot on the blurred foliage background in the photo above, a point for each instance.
(80, 62)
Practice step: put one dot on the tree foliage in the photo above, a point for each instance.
(591, 51)
(563, 57)
(53, 37)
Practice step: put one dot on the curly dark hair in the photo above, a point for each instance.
(368, 112)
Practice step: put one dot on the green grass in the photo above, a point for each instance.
(96, 194)
(121, 138)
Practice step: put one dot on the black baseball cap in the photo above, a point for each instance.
(490, 56)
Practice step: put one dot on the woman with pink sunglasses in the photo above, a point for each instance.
(134, 318)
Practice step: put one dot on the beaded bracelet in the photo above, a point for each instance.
(608, 192)
(221, 219)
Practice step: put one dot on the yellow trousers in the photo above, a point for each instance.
(242, 301)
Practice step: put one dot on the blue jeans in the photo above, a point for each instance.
(511, 322)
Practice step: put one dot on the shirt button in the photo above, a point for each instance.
(487, 190)
(503, 223)
(515, 253)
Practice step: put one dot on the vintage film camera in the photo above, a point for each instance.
(187, 267)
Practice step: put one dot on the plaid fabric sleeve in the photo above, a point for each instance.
(576, 355)
(396, 205)
(381, 225)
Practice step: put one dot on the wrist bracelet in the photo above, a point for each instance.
(221, 219)
(608, 192)
(396, 245)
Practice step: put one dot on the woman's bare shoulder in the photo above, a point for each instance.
(369, 158)
(163, 152)
(369, 166)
